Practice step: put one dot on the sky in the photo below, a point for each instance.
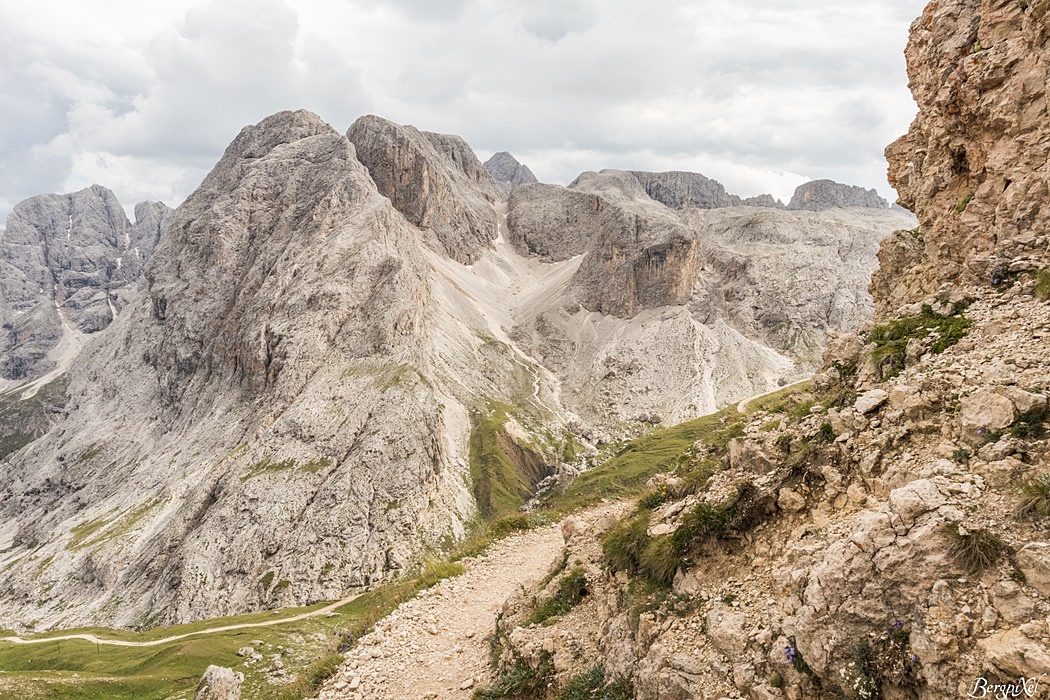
(761, 95)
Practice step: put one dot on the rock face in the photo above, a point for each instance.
(328, 326)
(434, 180)
(679, 190)
(508, 172)
(70, 263)
(972, 166)
(819, 195)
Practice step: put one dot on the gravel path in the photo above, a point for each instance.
(434, 645)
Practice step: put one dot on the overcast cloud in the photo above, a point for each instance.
(761, 95)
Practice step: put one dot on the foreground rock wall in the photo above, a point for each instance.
(973, 166)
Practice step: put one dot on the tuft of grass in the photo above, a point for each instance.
(664, 450)
(571, 589)
(592, 685)
(1042, 284)
(963, 202)
(624, 543)
(973, 550)
(961, 455)
(521, 680)
(891, 339)
(315, 465)
(1035, 496)
(661, 558)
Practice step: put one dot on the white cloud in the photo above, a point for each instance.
(758, 94)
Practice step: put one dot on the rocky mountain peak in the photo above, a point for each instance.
(69, 264)
(678, 190)
(434, 180)
(508, 172)
(818, 195)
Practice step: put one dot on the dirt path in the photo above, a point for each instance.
(742, 406)
(434, 646)
(155, 642)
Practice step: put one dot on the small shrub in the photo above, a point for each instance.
(1029, 425)
(660, 559)
(521, 680)
(891, 339)
(571, 590)
(592, 685)
(973, 550)
(1035, 496)
(1042, 285)
(825, 434)
(961, 455)
(776, 680)
(655, 499)
(624, 544)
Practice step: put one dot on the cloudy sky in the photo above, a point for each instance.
(759, 94)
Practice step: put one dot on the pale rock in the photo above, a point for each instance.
(726, 629)
(1034, 561)
(1015, 654)
(790, 500)
(1024, 401)
(984, 411)
(219, 683)
(870, 400)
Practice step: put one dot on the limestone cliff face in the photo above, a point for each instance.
(454, 203)
(69, 263)
(681, 189)
(819, 195)
(973, 164)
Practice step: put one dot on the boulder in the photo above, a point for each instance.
(219, 683)
(985, 411)
(1015, 654)
(870, 400)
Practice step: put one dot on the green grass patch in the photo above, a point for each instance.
(86, 529)
(503, 472)
(1042, 285)
(315, 465)
(268, 465)
(963, 202)
(664, 450)
(777, 401)
(571, 589)
(521, 681)
(891, 339)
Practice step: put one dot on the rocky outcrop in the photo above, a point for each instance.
(434, 180)
(679, 190)
(70, 263)
(973, 164)
(819, 195)
(508, 173)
